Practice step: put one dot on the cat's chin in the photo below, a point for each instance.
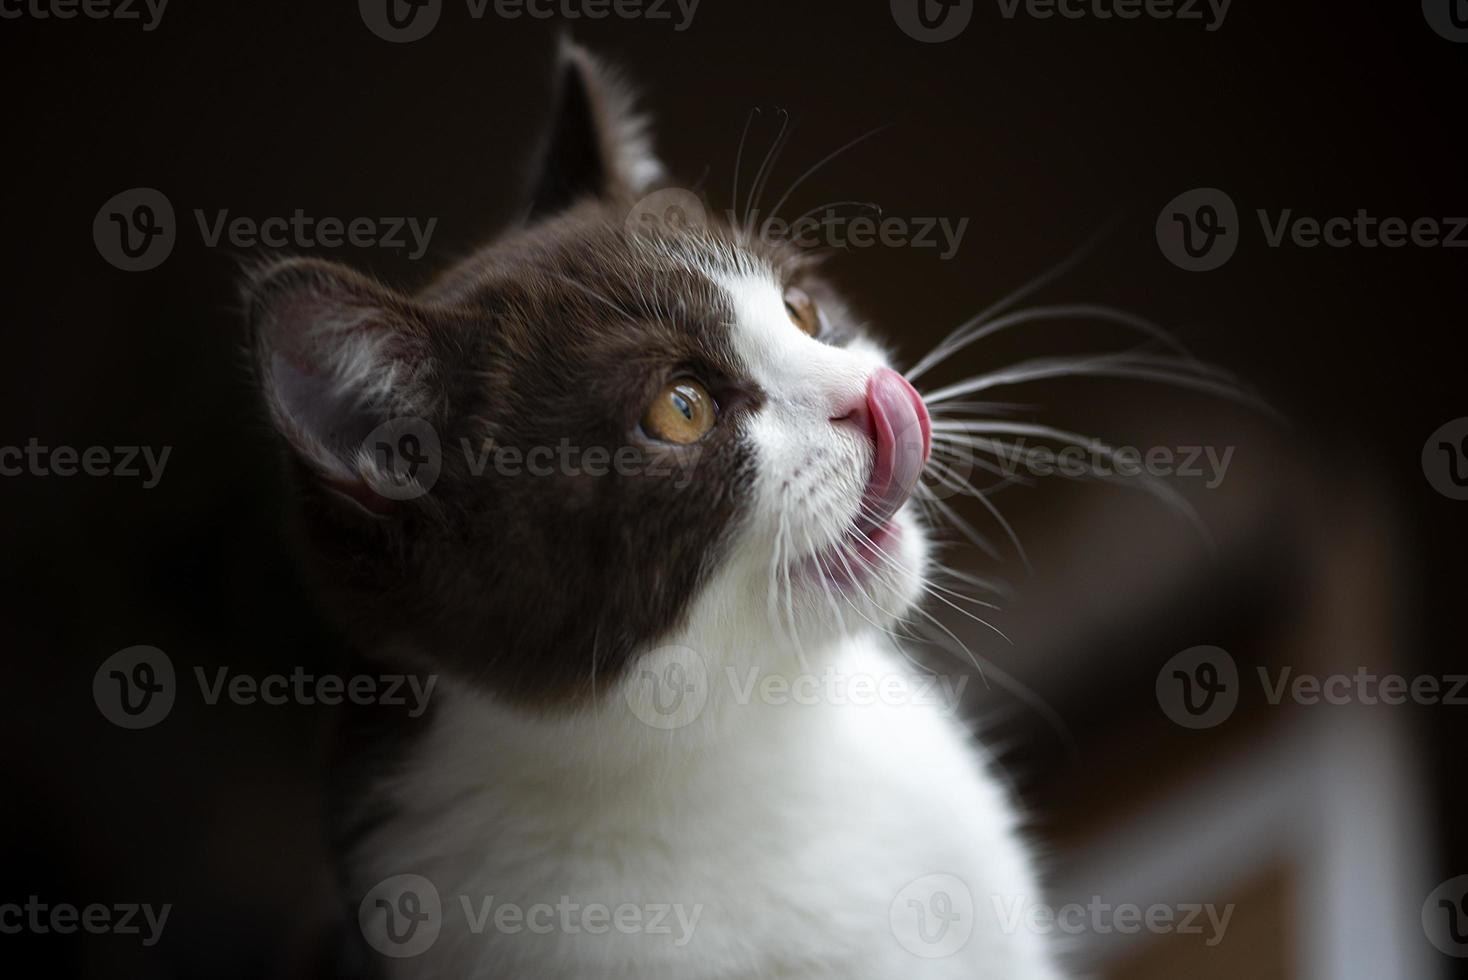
(874, 575)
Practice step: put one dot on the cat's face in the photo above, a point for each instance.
(642, 431)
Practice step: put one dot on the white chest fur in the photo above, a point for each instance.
(837, 824)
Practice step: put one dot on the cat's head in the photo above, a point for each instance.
(596, 435)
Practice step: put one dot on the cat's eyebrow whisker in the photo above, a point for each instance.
(775, 211)
(871, 205)
(739, 154)
(767, 167)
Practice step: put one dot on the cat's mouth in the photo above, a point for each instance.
(900, 429)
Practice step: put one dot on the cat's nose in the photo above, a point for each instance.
(892, 415)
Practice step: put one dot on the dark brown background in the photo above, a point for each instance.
(1040, 132)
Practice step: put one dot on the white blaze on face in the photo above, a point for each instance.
(812, 471)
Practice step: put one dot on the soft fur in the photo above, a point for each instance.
(557, 607)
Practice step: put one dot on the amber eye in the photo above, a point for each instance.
(803, 311)
(682, 413)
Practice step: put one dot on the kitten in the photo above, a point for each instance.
(610, 782)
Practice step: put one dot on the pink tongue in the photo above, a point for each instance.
(903, 437)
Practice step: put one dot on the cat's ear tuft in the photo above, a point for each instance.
(599, 145)
(338, 357)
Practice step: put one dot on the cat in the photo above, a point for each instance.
(619, 775)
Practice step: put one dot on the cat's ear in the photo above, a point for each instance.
(598, 145)
(340, 360)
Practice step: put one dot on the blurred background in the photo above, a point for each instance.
(1329, 830)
